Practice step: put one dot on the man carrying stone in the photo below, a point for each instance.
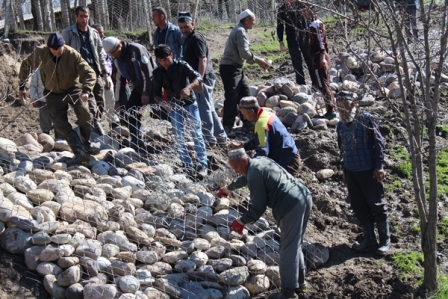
(271, 186)
(236, 54)
(68, 80)
(362, 151)
(195, 53)
(87, 41)
(180, 81)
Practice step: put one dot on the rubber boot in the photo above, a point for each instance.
(369, 242)
(302, 283)
(285, 294)
(97, 127)
(81, 157)
(384, 234)
(85, 137)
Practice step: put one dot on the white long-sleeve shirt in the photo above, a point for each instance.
(37, 87)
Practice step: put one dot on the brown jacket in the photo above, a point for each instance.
(58, 78)
(317, 35)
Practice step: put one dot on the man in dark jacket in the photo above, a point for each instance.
(362, 151)
(180, 81)
(271, 186)
(68, 80)
(195, 53)
(135, 64)
(291, 21)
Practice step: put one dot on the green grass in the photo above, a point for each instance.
(402, 165)
(125, 34)
(409, 264)
(416, 229)
(443, 228)
(442, 172)
(442, 292)
(394, 186)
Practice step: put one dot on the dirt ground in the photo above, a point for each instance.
(347, 274)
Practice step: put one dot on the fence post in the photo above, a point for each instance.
(196, 6)
(148, 15)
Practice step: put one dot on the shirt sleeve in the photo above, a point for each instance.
(157, 84)
(237, 183)
(280, 25)
(258, 198)
(28, 65)
(378, 143)
(243, 47)
(145, 65)
(34, 86)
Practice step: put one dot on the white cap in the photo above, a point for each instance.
(110, 44)
(245, 13)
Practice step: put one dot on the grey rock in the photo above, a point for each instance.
(69, 276)
(168, 286)
(32, 256)
(75, 291)
(236, 292)
(90, 265)
(316, 254)
(100, 291)
(257, 284)
(159, 268)
(237, 260)
(121, 268)
(50, 253)
(103, 263)
(55, 290)
(153, 293)
(273, 273)
(89, 248)
(147, 257)
(193, 290)
(48, 268)
(41, 238)
(235, 276)
(220, 265)
(144, 277)
(184, 265)
(213, 293)
(67, 262)
(110, 250)
(129, 284)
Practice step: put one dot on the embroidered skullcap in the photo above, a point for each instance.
(236, 153)
(110, 44)
(245, 13)
(249, 103)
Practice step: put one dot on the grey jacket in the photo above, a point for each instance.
(71, 37)
(270, 185)
(236, 51)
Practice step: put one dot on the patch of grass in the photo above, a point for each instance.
(442, 172)
(442, 292)
(416, 229)
(409, 264)
(205, 25)
(443, 227)
(125, 34)
(394, 186)
(402, 165)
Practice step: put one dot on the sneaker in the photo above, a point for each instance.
(230, 132)
(330, 115)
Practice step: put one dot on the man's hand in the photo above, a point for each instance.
(237, 226)
(84, 97)
(145, 100)
(36, 103)
(235, 145)
(199, 88)
(108, 83)
(185, 93)
(323, 61)
(22, 96)
(263, 63)
(282, 46)
(379, 175)
(223, 192)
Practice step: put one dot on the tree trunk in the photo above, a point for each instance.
(52, 15)
(168, 9)
(37, 14)
(19, 13)
(65, 13)
(146, 9)
(82, 3)
(45, 12)
(10, 22)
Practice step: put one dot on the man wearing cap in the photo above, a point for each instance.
(68, 80)
(180, 81)
(167, 33)
(362, 152)
(195, 53)
(236, 53)
(272, 186)
(87, 41)
(135, 64)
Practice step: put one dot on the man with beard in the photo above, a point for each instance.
(362, 151)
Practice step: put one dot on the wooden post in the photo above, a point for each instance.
(196, 7)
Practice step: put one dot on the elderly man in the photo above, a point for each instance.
(362, 151)
(236, 54)
(195, 53)
(135, 64)
(68, 80)
(180, 81)
(271, 186)
(87, 41)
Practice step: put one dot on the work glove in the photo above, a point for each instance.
(223, 192)
(108, 83)
(237, 226)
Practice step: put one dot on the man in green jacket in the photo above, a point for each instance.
(68, 80)
(270, 185)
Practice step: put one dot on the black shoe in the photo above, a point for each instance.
(97, 127)
(369, 243)
(230, 132)
(91, 150)
(330, 115)
(81, 156)
(384, 234)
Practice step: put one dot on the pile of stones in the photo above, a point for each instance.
(130, 228)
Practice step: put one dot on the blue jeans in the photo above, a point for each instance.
(211, 125)
(191, 114)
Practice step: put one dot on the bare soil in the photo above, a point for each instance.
(347, 274)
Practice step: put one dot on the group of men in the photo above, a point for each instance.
(183, 89)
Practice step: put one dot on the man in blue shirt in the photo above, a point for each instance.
(362, 151)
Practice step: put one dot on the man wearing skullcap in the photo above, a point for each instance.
(272, 186)
(236, 54)
(68, 80)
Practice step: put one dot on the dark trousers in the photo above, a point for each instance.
(57, 104)
(96, 104)
(133, 114)
(323, 82)
(293, 166)
(298, 47)
(366, 196)
(235, 88)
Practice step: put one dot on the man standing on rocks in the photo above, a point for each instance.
(362, 151)
(180, 81)
(195, 53)
(135, 64)
(68, 80)
(271, 186)
(272, 139)
(87, 41)
(291, 21)
(236, 54)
